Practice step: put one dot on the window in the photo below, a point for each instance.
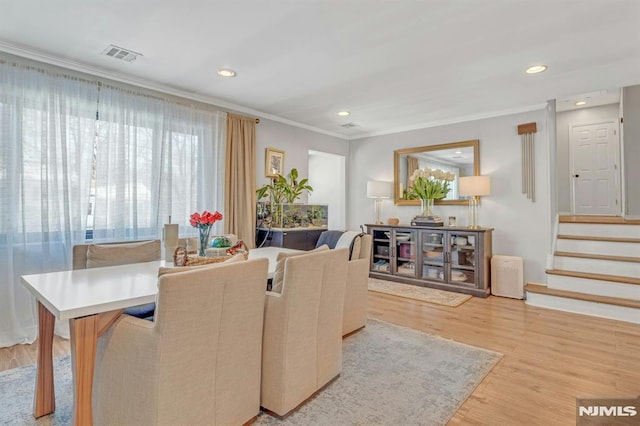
(78, 156)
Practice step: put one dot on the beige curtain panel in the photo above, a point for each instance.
(412, 165)
(240, 178)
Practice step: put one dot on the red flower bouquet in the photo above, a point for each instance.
(204, 222)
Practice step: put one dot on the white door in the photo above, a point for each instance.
(595, 168)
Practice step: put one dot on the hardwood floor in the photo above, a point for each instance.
(19, 355)
(550, 357)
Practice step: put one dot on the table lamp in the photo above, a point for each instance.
(378, 190)
(474, 186)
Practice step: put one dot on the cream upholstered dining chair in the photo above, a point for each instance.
(355, 297)
(87, 256)
(116, 253)
(198, 362)
(302, 339)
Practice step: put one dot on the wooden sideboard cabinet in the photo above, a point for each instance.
(294, 238)
(447, 258)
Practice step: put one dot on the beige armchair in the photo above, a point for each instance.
(355, 304)
(119, 253)
(355, 298)
(302, 339)
(198, 362)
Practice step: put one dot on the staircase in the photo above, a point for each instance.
(596, 269)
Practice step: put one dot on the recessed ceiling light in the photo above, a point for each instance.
(535, 69)
(458, 152)
(344, 113)
(225, 72)
(580, 103)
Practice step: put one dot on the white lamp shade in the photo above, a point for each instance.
(474, 185)
(378, 189)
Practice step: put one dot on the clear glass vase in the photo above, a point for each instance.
(204, 240)
(427, 206)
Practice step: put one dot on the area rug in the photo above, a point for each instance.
(391, 375)
(425, 294)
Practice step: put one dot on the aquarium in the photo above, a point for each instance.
(270, 215)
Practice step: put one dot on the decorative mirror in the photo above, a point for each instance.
(458, 158)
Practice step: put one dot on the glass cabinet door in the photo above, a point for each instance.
(381, 251)
(433, 255)
(463, 247)
(405, 252)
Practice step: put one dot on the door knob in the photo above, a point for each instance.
(576, 175)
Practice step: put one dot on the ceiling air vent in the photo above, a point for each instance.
(348, 125)
(120, 53)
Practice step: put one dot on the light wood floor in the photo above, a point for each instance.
(550, 357)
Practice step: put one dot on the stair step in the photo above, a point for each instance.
(594, 238)
(617, 301)
(593, 286)
(590, 246)
(591, 276)
(600, 230)
(625, 266)
(598, 256)
(597, 219)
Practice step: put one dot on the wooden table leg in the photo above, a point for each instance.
(84, 336)
(45, 398)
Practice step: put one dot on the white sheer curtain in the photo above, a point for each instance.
(127, 168)
(192, 177)
(154, 159)
(47, 129)
(76, 157)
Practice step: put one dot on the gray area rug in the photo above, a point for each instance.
(391, 375)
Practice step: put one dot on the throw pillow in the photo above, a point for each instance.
(350, 240)
(278, 275)
(122, 253)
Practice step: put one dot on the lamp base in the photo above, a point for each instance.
(378, 211)
(473, 213)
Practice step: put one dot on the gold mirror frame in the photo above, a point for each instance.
(475, 144)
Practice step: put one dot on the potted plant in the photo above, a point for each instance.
(281, 189)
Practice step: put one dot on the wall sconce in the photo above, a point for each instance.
(474, 186)
(378, 190)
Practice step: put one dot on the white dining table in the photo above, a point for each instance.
(92, 300)
(271, 253)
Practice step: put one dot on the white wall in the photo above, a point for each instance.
(296, 143)
(327, 172)
(563, 166)
(631, 100)
(521, 228)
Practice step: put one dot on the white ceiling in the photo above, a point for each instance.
(396, 65)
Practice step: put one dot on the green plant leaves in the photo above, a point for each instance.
(285, 189)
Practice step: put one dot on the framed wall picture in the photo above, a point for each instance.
(273, 162)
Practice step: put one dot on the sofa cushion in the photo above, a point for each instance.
(99, 255)
(278, 275)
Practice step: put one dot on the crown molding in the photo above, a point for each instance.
(39, 56)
